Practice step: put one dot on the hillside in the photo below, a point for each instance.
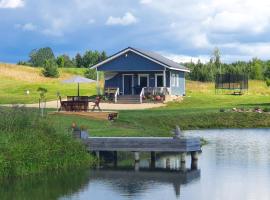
(16, 79)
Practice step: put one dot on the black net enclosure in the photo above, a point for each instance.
(236, 82)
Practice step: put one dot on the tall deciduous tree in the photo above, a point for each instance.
(39, 56)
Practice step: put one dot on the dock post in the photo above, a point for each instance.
(115, 158)
(137, 161)
(194, 160)
(183, 157)
(153, 159)
(194, 155)
(97, 154)
(137, 156)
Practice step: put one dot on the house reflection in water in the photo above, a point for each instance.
(135, 181)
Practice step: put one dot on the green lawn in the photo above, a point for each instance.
(200, 109)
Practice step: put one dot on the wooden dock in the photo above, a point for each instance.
(181, 145)
(143, 144)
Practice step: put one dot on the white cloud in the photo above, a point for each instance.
(55, 25)
(179, 58)
(145, 1)
(26, 27)
(91, 21)
(237, 27)
(127, 19)
(11, 3)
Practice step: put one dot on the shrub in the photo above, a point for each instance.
(266, 109)
(30, 144)
(221, 110)
(50, 69)
(267, 82)
(91, 73)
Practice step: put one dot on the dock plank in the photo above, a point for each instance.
(143, 144)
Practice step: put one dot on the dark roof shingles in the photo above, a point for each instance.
(161, 59)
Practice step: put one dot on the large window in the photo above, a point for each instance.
(159, 80)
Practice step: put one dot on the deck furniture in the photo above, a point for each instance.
(73, 105)
(97, 101)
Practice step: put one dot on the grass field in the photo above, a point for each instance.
(15, 80)
(199, 109)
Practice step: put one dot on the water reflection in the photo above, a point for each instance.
(44, 187)
(132, 183)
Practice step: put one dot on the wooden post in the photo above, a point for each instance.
(194, 155)
(194, 160)
(153, 160)
(97, 154)
(137, 156)
(137, 161)
(183, 157)
(183, 166)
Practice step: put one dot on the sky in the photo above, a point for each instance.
(178, 29)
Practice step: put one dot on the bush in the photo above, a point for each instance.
(221, 110)
(30, 144)
(267, 81)
(50, 69)
(91, 73)
(266, 109)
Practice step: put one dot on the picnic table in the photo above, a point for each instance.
(78, 103)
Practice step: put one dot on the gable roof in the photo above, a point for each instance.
(157, 58)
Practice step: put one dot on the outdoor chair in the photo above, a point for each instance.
(97, 101)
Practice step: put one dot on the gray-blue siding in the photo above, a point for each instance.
(130, 62)
(117, 81)
(180, 90)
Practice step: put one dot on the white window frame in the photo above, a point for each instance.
(156, 75)
(123, 83)
(143, 75)
(175, 80)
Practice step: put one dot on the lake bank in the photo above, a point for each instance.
(34, 145)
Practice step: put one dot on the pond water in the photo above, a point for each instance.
(235, 165)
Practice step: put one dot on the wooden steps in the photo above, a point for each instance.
(128, 99)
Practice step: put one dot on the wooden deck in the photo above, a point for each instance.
(143, 144)
(90, 115)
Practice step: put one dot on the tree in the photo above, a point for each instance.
(216, 59)
(39, 56)
(42, 101)
(90, 58)
(60, 60)
(64, 61)
(91, 73)
(78, 60)
(256, 69)
(50, 69)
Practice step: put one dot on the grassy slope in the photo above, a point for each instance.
(200, 109)
(15, 80)
(30, 144)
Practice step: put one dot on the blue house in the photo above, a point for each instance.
(134, 72)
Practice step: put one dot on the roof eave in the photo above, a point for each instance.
(139, 53)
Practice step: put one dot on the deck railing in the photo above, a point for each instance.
(116, 95)
(154, 91)
(142, 95)
(157, 90)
